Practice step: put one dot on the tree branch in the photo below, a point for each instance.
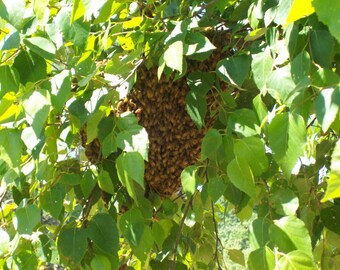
(173, 264)
(217, 237)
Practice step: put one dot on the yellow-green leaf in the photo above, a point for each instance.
(134, 22)
(300, 9)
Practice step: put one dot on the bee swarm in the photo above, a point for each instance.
(160, 107)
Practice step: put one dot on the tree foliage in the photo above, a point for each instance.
(274, 148)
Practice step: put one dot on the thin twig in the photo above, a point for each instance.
(217, 237)
(173, 264)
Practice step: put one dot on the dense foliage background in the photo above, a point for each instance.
(274, 149)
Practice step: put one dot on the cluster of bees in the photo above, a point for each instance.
(160, 107)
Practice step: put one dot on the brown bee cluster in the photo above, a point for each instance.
(160, 107)
(93, 150)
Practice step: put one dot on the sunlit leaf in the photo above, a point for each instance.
(41, 46)
(259, 232)
(105, 183)
(327, 106)
(252, 150)
(300, 9)
(296, 260)
(173, 56)
(13, 12)
(290, 233)
(262, 258)
(329, 16)
(234, 70)
(4, 242)
(189, 180)
(241, 176)
(287, 137)
(261, 66)
(8, 80)
(26, 218)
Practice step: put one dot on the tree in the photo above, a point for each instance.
(129, 127)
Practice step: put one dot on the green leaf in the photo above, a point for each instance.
(296, 260)
(103, 231)
(259, 232)
(61, 89)
(52, 200)
(284, 201)
(161, 230)
(241, 176)
(37, 106)
(282, 11)
(9, 108)
(261, 65)
(327, 106)
(92, 125)
(200, 82)
(281, 86)
(216, 188)
(290, 233)
(26, 218)
(234, 70)
(255, 34)
(109, 8)
(134, 139)
(10, 146)
(142, 251)
(88, 183)
(41, 46)
(11, 40)
(126, 120)
(71, 179)
(13, 12)
(72, 244)
(78, 10)
(39, 8)
(4, 243)
(100, 262)
(322, 44)
(105, 182)
(30, 66)
(236, 256)
(77, 32)
(210, 143)
(189, 180)
(260, 108)
(330, 216)
(199, 47)
(300, 67)
(131, 224)
(329, 16)
(262, 258)
(252, 150)
(196, 107)
(244, 122)
(333, 183)
(287, 137)
(325, 78)
(8, 80)
(173, 56)
(130, 169)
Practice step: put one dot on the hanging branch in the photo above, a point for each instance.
(217, 237)
(180, 231)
